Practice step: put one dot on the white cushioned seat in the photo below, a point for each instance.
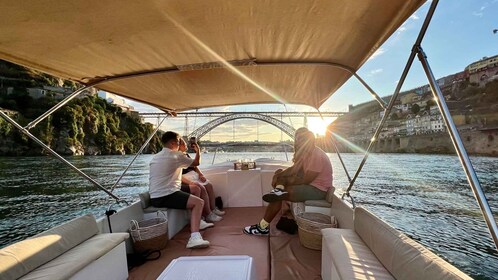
(76, 259)
(375, 250)
(58, 253)
(22, 257)
(403, 257)
(350, 256)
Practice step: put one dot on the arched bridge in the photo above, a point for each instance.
(203, 130)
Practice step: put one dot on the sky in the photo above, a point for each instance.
(461, 32)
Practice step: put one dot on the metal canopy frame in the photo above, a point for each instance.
(452, 130)
(416, 51)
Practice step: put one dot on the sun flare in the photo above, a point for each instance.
(318, 126)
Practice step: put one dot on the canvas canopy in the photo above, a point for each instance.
(180, 55)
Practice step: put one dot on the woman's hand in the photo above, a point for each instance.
(202, 178)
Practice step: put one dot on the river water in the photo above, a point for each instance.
(425, 196)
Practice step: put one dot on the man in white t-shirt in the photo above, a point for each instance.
(165, 183)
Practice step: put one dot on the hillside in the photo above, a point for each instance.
(415, 123)
(85, 126)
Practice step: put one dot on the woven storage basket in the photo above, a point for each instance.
(151, 234)
(310, 225)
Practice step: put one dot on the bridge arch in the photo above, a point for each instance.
(204, 129)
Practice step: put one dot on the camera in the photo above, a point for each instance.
(192, 141)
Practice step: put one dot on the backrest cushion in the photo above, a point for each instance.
(22, 257)
(144, 199)
(403, 257)
(330, 195)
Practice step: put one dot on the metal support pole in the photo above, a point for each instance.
(381, 101)
(27, 133)
(460, 149)
(214, 156)
(285, 151)
(339, 155)
(137, 154)
(57, 106)
(408, 65)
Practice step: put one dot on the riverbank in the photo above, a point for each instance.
(476, 142)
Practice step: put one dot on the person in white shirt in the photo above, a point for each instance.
(200, 186)
(165, 182)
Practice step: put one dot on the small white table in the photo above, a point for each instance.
(244, 188)
(210, 267)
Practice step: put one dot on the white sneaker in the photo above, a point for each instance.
(204, 225)
(197, 242)
(218, 212)
(212, 217)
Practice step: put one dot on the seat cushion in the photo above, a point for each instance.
(67, 264)
(346, 256)
(318, 203)
(146, 206)
(144, 199)
(22, 257)
(403, 257)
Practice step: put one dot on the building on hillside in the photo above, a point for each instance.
(116, 100)
(480, 71)
(423, 89)
(434, 110)
(58, 93)
(437, 123)
(410, 124)
(403, 108)
(37, 93)
(400, 128)
(422, 123)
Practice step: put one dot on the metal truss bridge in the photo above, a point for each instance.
(221, 114)
(273, 118)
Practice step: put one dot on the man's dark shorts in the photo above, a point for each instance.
(176, 200)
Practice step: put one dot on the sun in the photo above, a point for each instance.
(318, 126)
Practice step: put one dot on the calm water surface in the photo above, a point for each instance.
(425, 196)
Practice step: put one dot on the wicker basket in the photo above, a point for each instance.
(310, 225)
(151, 234)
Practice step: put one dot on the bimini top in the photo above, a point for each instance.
(179, 55)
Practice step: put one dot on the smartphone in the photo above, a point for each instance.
(192, 141)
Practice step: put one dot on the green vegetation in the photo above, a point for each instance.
(84, 126)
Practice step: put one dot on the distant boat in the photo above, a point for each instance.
(204, 150)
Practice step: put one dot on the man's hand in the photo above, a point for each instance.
(276, 177)
(195, 147)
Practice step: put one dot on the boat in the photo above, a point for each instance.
(214, 53)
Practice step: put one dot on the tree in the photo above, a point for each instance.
(430, 103)
(415, 108)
